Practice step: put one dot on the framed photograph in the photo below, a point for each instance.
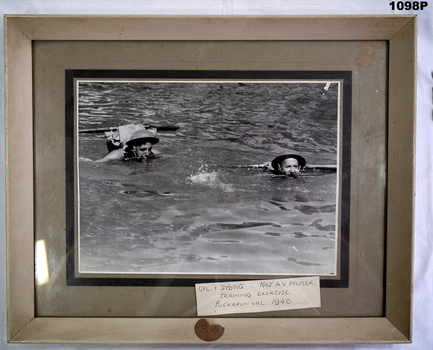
(170, 152)
(209, 199)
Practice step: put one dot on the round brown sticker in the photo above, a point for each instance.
(208, 332)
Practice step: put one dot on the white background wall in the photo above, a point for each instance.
(423, 283)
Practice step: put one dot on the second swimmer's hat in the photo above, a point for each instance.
(277, 161)
(141, 136)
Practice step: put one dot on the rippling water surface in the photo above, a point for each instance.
(189, 210)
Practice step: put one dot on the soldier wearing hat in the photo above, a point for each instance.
(286, 164)
(138, 147)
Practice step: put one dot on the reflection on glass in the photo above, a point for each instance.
(42, 272)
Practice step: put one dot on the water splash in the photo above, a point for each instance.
(211, 179)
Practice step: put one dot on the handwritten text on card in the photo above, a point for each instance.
(257, 296)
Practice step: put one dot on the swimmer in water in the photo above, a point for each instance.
(138, 147)
(288, 164)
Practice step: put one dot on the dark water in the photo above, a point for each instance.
(189, 210)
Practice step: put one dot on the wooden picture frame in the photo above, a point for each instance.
(25, 326)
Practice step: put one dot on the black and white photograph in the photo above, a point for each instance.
(208, 176)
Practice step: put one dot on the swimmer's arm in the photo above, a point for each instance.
(117, 154)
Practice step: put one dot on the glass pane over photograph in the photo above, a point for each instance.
(203, 211)
(217, 177)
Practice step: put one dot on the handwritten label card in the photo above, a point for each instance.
(257, 296)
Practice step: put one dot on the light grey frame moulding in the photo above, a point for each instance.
(24, 326)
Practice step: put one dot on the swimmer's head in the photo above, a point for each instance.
(288, 164)
(141, 143)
